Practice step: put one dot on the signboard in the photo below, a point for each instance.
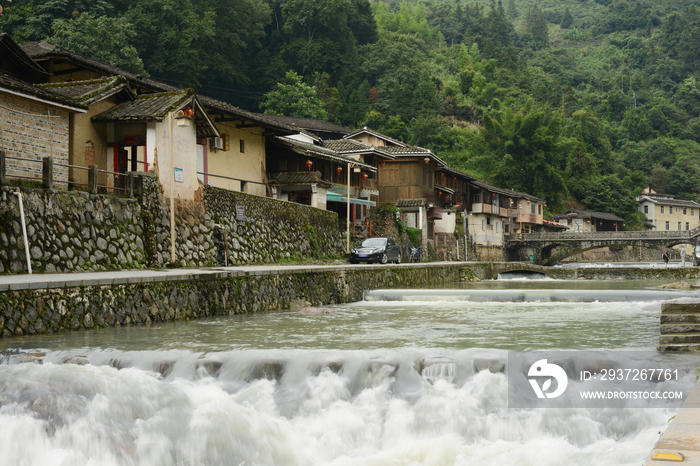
(240, 213)
(179, 175)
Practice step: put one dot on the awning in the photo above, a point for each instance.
(337, 198)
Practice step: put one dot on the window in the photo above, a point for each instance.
(662, 209)
(476, 198)
(243, 183)
(687, 226)
(227, 141)
(679, 226)
(483, 224)
(646, 209)
(668, 225)
(685, 211)
(539, 209)
(242, 148)
(533, 209)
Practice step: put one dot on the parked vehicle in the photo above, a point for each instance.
(380, 250)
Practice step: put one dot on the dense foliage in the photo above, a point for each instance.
(581, 102)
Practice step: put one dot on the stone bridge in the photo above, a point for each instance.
(568, 244)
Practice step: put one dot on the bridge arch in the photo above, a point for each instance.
(569, 244)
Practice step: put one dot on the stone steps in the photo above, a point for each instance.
(671, 338)
(680, 319)
(680, 326)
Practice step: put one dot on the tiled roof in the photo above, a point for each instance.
(377, 135)
(146, 107)
(350, 146)
(453, 172)
(154, 107)
(94, 90)
(42, 49)
(309, 124)
(321, 152)
(576, 213)
(264, 120)
(411, 202)
(23, 88)
(300, 178)
(507, 192)
(670, 202)
(15, 61)
(412, 151)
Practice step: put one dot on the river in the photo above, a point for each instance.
(390, 380)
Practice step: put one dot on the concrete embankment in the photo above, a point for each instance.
(680, 326)
(49, 303)
(55, 303)
(681, 440)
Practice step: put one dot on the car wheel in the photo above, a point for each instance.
(384, 259)
(398, 259)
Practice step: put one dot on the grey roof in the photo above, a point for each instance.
(350, 146)
(35, 92)
(264, 120)
(411, 202)
(457, 173)
(412, 151)
(43, 49)
(507, 192)
(94, 90)
(576, 213)
(15, 62)
(378, 135)
(288, 178)
(155, 107)
(670, 202)
(321, 152)
(309, 124)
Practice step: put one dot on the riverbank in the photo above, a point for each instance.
(50, 303)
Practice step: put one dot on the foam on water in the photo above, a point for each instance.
(68, 414)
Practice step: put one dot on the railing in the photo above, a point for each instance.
(47, 179)
(628, 235)
(370, 184)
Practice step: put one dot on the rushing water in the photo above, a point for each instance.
(382, 381)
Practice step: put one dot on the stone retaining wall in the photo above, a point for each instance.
(70, 231)
(25, 312)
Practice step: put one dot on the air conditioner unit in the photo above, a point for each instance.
(217, 143)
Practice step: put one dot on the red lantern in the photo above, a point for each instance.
(188, 112)
(339, 169)
(364, 176)
(381, 164)
(308, 164)
(426, 160)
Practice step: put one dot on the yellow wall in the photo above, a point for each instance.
(249, 166)
(85, 133)
(671, 215)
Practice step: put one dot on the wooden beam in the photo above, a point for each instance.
(248, 125)
(69, 70)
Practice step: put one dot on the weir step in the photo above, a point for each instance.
(674, 307)
(679, 338)
(680, 347)
(680, 318)
(669, 329)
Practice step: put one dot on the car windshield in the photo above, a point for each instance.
(373, 243)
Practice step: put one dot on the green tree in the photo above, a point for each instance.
(294, 98)
(512, 10)
(102, 38)
(527, 152)
(536, 26)
(567, 20)
(609, 194)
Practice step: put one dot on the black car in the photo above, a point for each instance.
(380, 250)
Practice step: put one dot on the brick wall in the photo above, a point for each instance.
(27, 131)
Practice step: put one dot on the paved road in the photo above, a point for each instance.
(60, 280)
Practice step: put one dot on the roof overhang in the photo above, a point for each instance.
(43, 101)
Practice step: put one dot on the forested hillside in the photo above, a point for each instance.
(583, 103)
